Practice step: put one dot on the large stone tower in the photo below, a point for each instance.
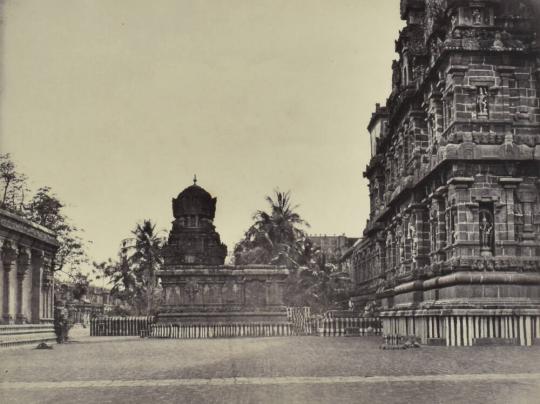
(451, 251)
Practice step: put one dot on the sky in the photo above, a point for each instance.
(117, 104)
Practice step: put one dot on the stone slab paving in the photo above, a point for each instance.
(266, 370)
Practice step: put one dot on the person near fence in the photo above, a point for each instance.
(61, 323)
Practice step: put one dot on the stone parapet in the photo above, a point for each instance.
(205, 294)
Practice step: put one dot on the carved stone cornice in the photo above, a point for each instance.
(461, 181)
(510, 182)
(16, 226)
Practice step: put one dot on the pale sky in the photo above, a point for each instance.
(115, 104)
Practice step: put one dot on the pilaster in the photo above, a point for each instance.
(8, 256)
(23, 263)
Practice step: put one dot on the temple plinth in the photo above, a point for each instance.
(198, 287)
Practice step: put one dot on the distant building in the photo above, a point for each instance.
(95, 301)
(333, 247)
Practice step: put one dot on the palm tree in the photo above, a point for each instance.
(146, 257)
(275, 235)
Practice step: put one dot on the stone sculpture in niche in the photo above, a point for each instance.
(477, 17)
(482, 102)
(486, 232)
(498, 43)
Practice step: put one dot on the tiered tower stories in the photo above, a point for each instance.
(452, 246)
(193, 239)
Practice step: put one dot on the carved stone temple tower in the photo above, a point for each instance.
(198, 288)
(193, 238)
(451, 250)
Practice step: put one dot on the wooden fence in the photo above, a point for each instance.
(300, 318)
(300, 323)
(220, 330)
(120, 326)
(352, 326)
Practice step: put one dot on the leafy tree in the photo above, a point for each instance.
(81, 284)
(43, 208)
(125, 285)
(12, 184)
(277, 237)
(47, 210)
(133, 275)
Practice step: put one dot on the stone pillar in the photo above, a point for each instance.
(8, 255)
(46, 287)
(37, 264)
(23, 263)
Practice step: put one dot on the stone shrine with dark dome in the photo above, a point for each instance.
(198, 288)
(193, 238)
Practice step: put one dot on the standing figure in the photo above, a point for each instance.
(486, 231)
(61, 324)
(482, 102)
(477, 16)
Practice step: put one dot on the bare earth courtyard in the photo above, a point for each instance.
(266, 370)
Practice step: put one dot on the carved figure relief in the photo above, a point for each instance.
(454, 20)
(228, 292)
(436, 49)
(498, 43)
(192, 290)
(486, 229)
(477, 16)
(482, 102)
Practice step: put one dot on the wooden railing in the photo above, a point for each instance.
(299, 324)
(120, 326)
(220, 330)
(347, 326)
(300, 318)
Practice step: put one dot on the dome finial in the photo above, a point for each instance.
(195, 179)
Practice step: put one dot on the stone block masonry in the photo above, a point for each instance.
(455, 177)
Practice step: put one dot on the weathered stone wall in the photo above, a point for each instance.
(210, 294)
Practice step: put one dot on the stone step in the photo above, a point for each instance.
(11, 335)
